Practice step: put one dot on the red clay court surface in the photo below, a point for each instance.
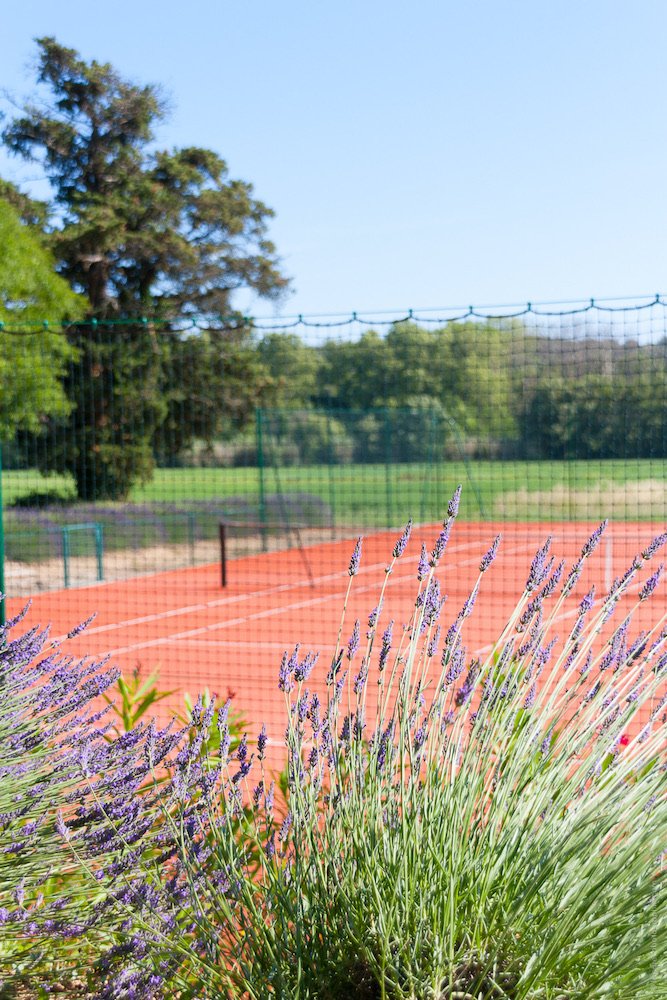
(231, 640)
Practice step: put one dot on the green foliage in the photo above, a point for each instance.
(211, 383)
(484, 854)
(133, 698)
(161, 233)
(294, 368)
(32, 366)
(599, 416)
(453, 827)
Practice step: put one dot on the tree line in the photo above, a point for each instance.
(132, 230)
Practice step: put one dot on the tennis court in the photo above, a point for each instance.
(230, 640)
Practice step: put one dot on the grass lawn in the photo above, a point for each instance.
(386, 495)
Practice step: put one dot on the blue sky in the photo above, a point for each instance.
(421, 155)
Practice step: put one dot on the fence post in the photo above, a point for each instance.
(99, 549)
(65, 533)
(191, 535)
(261, 468)
(387, 466)
(332, 486)
(3, 616)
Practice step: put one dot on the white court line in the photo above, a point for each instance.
(296, 585)
(282, 609)
(250, 596)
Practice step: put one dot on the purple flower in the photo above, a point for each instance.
(653, 547)
(386, 645)
(440, 544)
(488, 558)
(302, 707)
(592, 542)
(314, 713)
(353, 644)
(466, 610)
(269, 797)
(432, 647)
(572, 577)
(335, 666)
(242, 772)
(288, 666)
(651, 584)
(242, 749)
(304, 668)
(419, 738)
(262, 741)
(587, 602)
(285, 827)
(453, 506)
(538, 570)
(432, 602)
(423, 566)
(466, 689)
(19, 892)
(257, 793)
(372, 621)
(361, 678)
(553, 580)
(530, 697)
(399, 548)
(61, 827)
(455, 662)
(355, 559)
(78, 629)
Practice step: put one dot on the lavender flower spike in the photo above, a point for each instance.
(422, 568)
(653, 547)
(490, 555)
(353, 644)
(453, 506)
(440, 544)
(78, 629)
(650, 584)
(538, 570)
(356, 558)
(592, 542)
(399, 547)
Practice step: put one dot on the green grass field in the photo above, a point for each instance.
(378, 495)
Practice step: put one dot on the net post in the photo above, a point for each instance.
(222, 528)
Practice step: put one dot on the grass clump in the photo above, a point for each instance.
(449, 828)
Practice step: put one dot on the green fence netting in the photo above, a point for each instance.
(126, 445)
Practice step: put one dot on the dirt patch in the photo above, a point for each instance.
(645, 499)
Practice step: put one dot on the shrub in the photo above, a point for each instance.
(482, 828)
(74, 802)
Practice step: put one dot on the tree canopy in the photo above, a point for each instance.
(32, 365)
(138, 231)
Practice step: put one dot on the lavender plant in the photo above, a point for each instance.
(479, 828)
(476, 828)
(71, 807)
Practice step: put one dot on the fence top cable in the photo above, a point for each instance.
(445, 314)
